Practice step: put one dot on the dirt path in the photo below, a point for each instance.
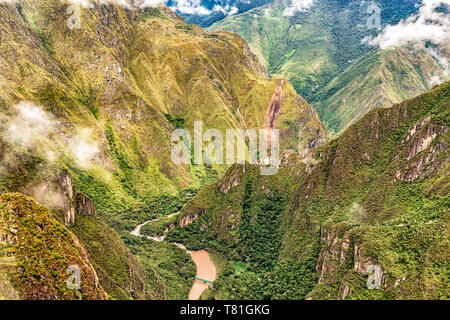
(206, 269)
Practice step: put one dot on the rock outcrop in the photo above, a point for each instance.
(74, 202)
(45, 251)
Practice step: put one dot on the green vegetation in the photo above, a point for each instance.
(119, 272)
(173, 267)
(177, 122)
(367, 200)
(322, 54)
(378, 194)
(312, 47)
(371, 204)
(40, 250)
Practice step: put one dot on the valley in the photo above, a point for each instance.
(324, 52)
(206, 269)
(94, 205)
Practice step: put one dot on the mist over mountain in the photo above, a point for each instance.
(206, 12)
(319, 45)
(352, 109)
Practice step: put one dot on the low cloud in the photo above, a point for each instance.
(297, 6)
(142, 4)
(427, 25)
(227, 10)
(33, 129)
(29, 126)
(84, 147)
(190, 7)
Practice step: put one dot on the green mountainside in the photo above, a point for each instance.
(322, 53)
(380, 78)
(311, 47)
(86, 117)
(378, 195)
(132, 78)
(35, 253)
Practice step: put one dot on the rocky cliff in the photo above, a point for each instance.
(40, 252)
(114, 90)
(365, 218)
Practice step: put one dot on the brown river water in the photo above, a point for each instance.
(205, 270)
(205, 266)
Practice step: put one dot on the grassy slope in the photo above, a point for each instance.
(119, 272)
(133, 77)
(310, 48)
(40, 249)
(366, 191)
(378, 79)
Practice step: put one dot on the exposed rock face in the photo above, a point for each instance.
(187, 220)
(422, 153)
(69, 200)
(272, 112)
(74, 202)
(337, 253)
(85, 205)
(233, 181)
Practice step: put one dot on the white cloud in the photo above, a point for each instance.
(30, 125)
(428, 25)
(84, 147)
(190, 7)
(227, 10)
(32, 128)
(297, 6)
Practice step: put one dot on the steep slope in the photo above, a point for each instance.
(132, 77)
(210, 11)
(36, 252)
(313, 45)
(86, 117)
(380, 78)
(376, 196)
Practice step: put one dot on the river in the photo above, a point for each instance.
(206, 269)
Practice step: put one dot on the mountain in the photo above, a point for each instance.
(376, 196)
(313, 45)
(86, 118)
(323, 51)
(35, 253)
(380, 78)
(89, 99)
(206, 12)
(116, 89)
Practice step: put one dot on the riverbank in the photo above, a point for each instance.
(206, 268)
